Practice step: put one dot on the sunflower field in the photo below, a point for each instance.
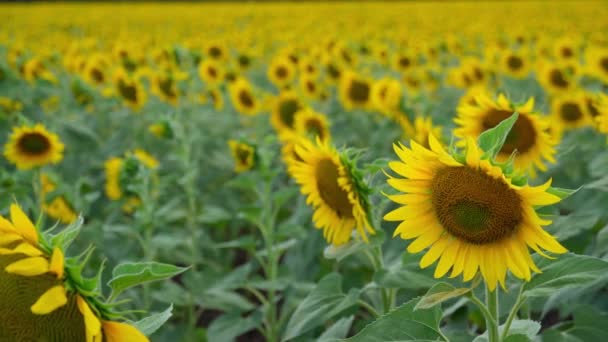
(304, 171)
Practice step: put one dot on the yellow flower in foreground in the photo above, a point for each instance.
(469, 213)
(30, 147)
(333, 189)
(36, 303)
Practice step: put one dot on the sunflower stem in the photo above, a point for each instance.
(483, 308)
(369, 308)
(492, 306)
(518, 303)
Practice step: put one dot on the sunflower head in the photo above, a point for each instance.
(355, 91)
(44, 295)
(570, 112)
(281, 72)
(244, 155)
(528, 138)
(164, 86)
(386, 95)
(243, 98)
(129, 89)
(283, 117)
(515, 64)
(471, 211)
(30, 147)
(334, 188)
(211, 72)
(556, 78)
(311, 124)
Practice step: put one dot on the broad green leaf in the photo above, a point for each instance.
(132, 274)
(403, 324)
(337, 331)
(561, 192)
(326, 301)
(517, 338)
(439, 293)
(231, 325)
(492, 140)
(568, 270)
(406, 277)
(150, 324)
(589, 325)
(341, 252)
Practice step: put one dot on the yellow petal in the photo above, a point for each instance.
(57, 263)
(50, 301)
(6, 226)
(91, 322)
(428, 238)
(8, 238)
(447, 260)
(121, 332)
(29, 267)
(473, 155)
(22, 248)
(434, 252)
(23, 225)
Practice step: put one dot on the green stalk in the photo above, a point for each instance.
(518, 303)
(492, 305)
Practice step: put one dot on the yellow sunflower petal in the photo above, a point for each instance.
(447, 259)
(50, 301)
(434, 252)
(23, 225)
(29, 267)
(23, 248)
(91, 322)
(122, 332)
(57, 263)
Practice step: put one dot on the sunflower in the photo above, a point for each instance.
(308, 67)
(515, 64)
(566, 49)
(556, 78)
(310, 87)
(334, 189)
(602, 118)
(211, 72)
(469, 212)
(244, 155)
(216, 51)
(404, 61)
(569, 111)
(163, 86)
(243, 99)
(30, 147)
(214, 97)
(283, 115)
(596, 62)
(355, 91)
(129, 89)
(386, 95)
(112, 167)
(9, 106)
(311, 124)
(423, 127)
(44, 296)
(529, 136)
(61, 210)
(281, 72)
(95, 70)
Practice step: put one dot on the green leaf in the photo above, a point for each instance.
(150, 324)
(492, 140)
(353, 246)
(337, 331)
(405, 277)
(561, 192)
(324, 302)
(589, 325)
(132, 274)
(231, 325)
(569, 270)
(517, 338)
(523, 330)
(403, 324)
(440, 293)
(213, 215)
(65, 238)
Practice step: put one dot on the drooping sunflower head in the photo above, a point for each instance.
(334, 189)
(44, 296)
(528, 138)
(470, 212)
(242, 97)
(283, 117)
(244, 155)
(355, 91)
(30, 147)
(311, 124)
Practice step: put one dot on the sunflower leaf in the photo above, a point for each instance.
(403, 324)
(128, 275)
(561, 192)
(492, 140)
(440, 293)
(150, 324)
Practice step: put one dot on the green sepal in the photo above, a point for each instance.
(562, 193)
(492, 140)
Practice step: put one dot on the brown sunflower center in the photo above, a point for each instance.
(359, 91)
(515, 63)
(473, 206)
(244, 61)
(591, 107)
(567, 52)
(127, 91)
(330, 191)
(571, 112)
(245, 98)
(242, 154)
(333, 71)
(521, 137)
(310, 86)
(604, 63)
(478, 73)
(215, 52)
(212, 72)
(34, 144)
(166, 86)
(315, 128)
(281, 72)
(557, 78)
(404, 62)
(18, 323)
(97, 75)
(287, 111)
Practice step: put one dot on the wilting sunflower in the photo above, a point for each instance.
(312, 124)
(515, 64)
(30, 147)
(569, 111)
(529, 136)
(281, 72)
(129, 89)
(596, 63)
(243, 99)
(355, 91)
(44, 296)
(469, 212)
(244, 155)
(283, 115)
(334, 189)
(211, 72)
(556, 78)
